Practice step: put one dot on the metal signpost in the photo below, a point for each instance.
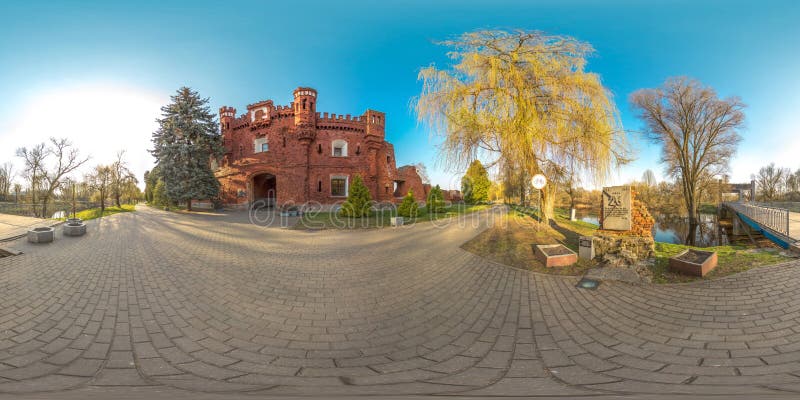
(539, 182)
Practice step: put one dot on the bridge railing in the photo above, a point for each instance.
(776, 219)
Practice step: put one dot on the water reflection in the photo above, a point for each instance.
(709, 231)
(676, 229)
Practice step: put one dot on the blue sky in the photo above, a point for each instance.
(98, 71)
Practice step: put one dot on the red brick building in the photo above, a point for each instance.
(294, 154)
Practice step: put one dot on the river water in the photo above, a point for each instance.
(676, 229)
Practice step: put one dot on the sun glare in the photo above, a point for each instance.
(99, 120)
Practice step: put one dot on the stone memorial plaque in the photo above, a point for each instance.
(617, 208)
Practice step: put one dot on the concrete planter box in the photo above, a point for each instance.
(555, 255)
(397, 221)
(693, 262)
(74, 229)
(41, 235)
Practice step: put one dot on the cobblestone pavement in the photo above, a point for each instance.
(215, 304)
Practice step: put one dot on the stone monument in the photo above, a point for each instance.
(625, 238)
(615, 213)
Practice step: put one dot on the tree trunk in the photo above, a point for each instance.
(691, 207)
(549, 202)
(116, 197)
(189, 205)
(33, 195)
(44, 206)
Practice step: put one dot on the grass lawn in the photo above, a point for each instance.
(510, 243)
(329, 220)
(93, 213)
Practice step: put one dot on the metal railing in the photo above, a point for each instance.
(776, 219)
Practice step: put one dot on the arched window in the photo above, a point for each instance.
(339, 148)
(241, 151)
(304, 104)
(319, 186)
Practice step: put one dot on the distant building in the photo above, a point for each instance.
(285, 154)
(739, 192)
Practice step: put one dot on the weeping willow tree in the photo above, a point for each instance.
(522, 99)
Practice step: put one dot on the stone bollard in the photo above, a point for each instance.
(586, 248)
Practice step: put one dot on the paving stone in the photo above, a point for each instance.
(217, 304)
(82, 367)
(157, 367)
(119, 377)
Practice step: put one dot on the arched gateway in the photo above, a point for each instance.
(264, 188)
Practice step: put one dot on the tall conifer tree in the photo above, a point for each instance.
(184, 144)
(475, 184)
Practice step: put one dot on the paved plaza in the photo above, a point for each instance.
(157, 301)
(12, 226)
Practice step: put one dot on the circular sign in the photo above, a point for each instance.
(539, 181)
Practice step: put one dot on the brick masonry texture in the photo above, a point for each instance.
(212, 303)
(300, 161)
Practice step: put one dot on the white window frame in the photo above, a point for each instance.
(346, 185)
(339, 143)
(259, 143)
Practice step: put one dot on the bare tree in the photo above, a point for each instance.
(100, 180)
(120, 177)
(6, 177)
(699, 132)
(793, 183)
(649, 178)
(17, 189)
(769, 181)
(34, 169)
(422, 171)
(67, 159)
(46, 179)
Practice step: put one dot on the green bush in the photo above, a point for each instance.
(358, 200)
(436, 200)
(160, 194)
(408, 207)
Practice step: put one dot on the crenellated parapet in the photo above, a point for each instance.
(303, 112)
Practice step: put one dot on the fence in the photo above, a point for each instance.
(793, 206)
(776, 219)
(56, 209)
